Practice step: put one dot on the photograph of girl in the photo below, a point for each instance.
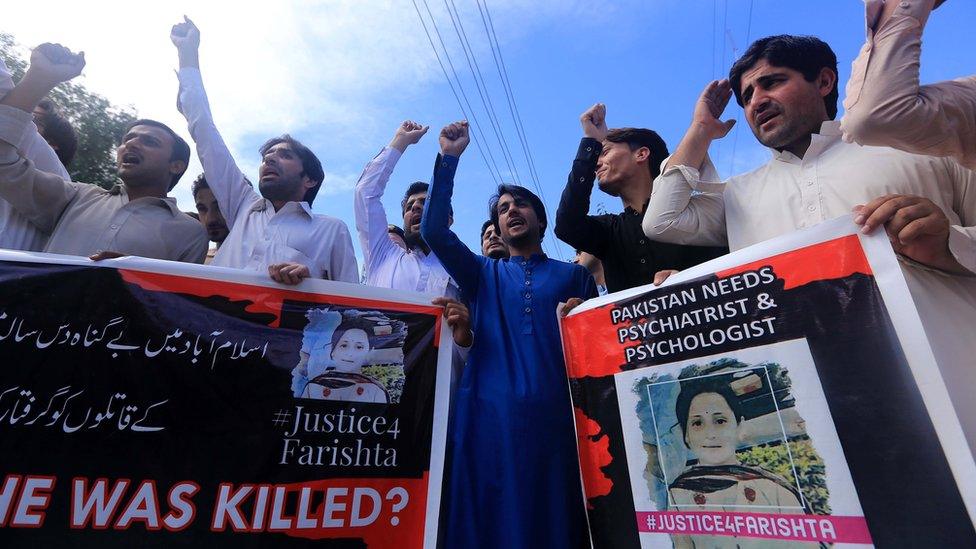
(341, 349)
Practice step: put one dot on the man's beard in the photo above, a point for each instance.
(497, 253)
(280, 189)
(790, 131)
(523, 240)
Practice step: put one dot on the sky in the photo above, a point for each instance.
(340, 76)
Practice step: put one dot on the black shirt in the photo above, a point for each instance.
(629, 258)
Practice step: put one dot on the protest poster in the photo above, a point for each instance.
(148, 403)
(783, 395)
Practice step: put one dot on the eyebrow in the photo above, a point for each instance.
(763, 81)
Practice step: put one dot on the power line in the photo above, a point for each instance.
(489, 26)
(479, 82)
(484, 157)
(735, 138)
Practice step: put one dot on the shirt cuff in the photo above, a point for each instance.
(705, 181)
(14, 124)
(589, 150)
(389, 153)
(446, 162)
(962, 246)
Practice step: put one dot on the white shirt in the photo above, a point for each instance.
(387, 264)
(16, 232)
(260, 236)
(789, 193)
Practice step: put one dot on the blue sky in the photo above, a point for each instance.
(341, 75)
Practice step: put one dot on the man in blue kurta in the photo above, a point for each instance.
(515, 478)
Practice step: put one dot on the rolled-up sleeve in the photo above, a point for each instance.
(686, 207)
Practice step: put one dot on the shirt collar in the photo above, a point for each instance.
(265, 204)
(534, 259)
(829, 135)
(167, 202)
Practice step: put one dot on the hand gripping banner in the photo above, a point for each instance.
(783, 395)
(147, 403)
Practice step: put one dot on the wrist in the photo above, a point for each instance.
(399, 144)
(189, 57)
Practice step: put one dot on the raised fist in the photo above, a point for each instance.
(454, 138)
(54, 63)
(407, 134)
(594, 122)
(185, 35)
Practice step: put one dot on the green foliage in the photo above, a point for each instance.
(809, 467)
(390, 375)
(99, 124)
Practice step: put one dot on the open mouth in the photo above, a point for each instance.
(130, 159)
(269, 172)
(517, 222)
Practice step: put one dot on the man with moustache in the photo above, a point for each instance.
(626, 161)
(134, 218)
(276, 230)
(492, 246)
(787, 86)
(208, 211)
(515, 480)
(414, 269)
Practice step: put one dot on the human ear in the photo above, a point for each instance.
(826, 81)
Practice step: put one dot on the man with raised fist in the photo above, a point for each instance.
(134, 218)
(626, 161)
(276, 230)
(515, 479)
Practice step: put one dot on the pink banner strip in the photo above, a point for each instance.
(831, 529)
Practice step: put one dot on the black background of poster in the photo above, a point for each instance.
(218, 420)
(907, 492)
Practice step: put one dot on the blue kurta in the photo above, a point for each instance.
(514, 479)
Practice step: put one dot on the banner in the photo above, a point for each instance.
(148, 403)
(783, 395)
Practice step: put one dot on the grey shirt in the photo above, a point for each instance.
(83, 219)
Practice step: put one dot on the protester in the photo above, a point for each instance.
(884, 103)
(134, 218)
(595, 267)
(275, 230)
(492, 246)
(56, 130)
(626, 161)
(788, 88)
(515, 480)
(415, 268)
(16, 232)
(208, 214)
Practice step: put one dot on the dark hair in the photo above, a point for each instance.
(311, 166)
(199, 184)
(805, 54)
(57, 131)
(181, 150)
(414, 188)
(636, 138)
(484, 228)
(353, 322)
(518, 191)
(693, 387)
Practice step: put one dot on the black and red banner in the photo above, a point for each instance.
(151, 404)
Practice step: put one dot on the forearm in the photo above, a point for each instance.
(27, 93)
(692, 149)
(189, 58)
(371, 220)
(573, 224)
(435, 229)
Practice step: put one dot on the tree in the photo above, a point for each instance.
(97, 121)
